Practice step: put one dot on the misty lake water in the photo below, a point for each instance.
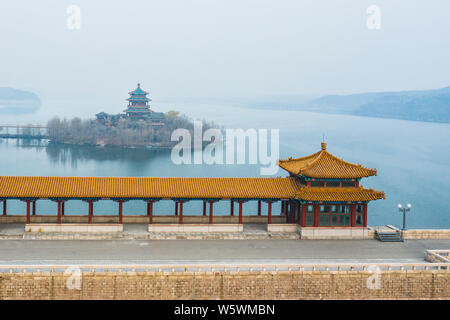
(412, 158)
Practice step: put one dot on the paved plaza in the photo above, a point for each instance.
(213, 251)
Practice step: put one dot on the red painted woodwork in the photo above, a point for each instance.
(231, 208)
(120, 211)
(316, 215)
(269, 212)
(91, 211)
(59, 212)
(240, 212)
(34, 208)
(4, 207)
(303, 222)
(181, 212)
(204, 208)
(150, 212)
(352, 215)
(176, 208)
(28, 212)
(211, 204)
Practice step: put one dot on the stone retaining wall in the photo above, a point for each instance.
(423, 284)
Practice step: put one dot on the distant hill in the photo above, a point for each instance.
(15, 101)
(424, 105)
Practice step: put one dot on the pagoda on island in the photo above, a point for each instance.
(138, 107)
(330, 194)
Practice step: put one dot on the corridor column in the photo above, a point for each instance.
(91, 211)
(259, 208)
(28, 212)
(231, 208)
(211, 203)
(59, 212)
(240, 212)
(181, 212)
(150, 211)
(4, 207)
(204, 208)
(269, 212)
(120, 211)
(34, 207)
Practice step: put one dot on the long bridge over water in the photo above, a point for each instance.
(23, 131)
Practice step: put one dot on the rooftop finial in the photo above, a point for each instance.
(324, 145)
(139, 85)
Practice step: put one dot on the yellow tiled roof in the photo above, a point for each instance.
(324, 165)
(338, 194)
(113, 187)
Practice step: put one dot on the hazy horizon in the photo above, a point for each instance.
(227, 50)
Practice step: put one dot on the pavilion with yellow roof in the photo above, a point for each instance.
(321, 196)
(330, 194)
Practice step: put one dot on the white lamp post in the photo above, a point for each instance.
(404, 210)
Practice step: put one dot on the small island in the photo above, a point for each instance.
(138, 126)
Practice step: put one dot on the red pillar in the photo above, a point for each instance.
(352, 214)
(231, 208)
(269, 212)
(150, 212)
(357, 184)
(176, 208)
(316, 215)
(59, 212)
(297, 211)
(181, 212)
(91, 209)
(240, 212)
(4, 207)
(28, 212)
(62, 208)
(211, 203)
(259, 208)
(120, 211)
(365, 215)
(303, 215)
(34, 207)
(204, 208)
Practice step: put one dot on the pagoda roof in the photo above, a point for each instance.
(324, 165)
(138, 90)
(338, 194)
(134, 98)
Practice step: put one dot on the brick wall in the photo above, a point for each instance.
(423, 284)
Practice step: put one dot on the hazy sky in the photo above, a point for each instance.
(223, 48)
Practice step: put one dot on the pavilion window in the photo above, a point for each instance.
(359, 215)
(317, 183)
(334, 215)
(348, 184)
(333, 184)
(309, 219)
